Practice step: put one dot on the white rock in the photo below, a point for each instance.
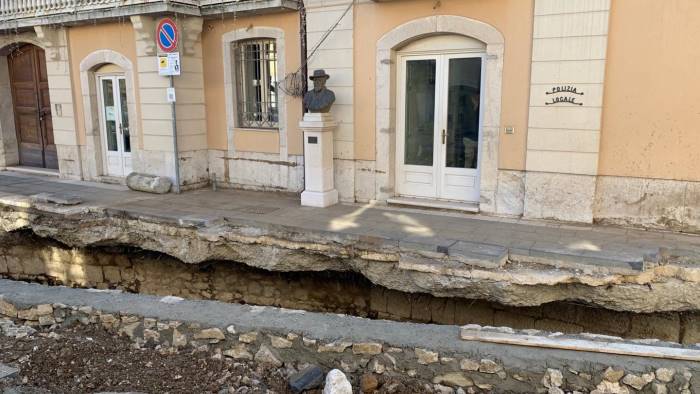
(552, 378)
(659, 388)
(607, 387)
(266, 356)
(469, 365)
(444, 389)
(337, 383)
(426, 357)
(665, 374)
(638, 382)
(279, 342)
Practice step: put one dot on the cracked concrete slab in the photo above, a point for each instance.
(511, 262)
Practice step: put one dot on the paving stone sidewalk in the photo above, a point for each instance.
(438, 229)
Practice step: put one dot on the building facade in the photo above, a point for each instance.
(541, 109)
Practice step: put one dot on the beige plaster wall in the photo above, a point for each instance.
(82, 41)
(512, 17)
(651, 105)
(245, 139)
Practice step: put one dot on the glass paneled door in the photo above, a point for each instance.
(438, 125)
(114, 117)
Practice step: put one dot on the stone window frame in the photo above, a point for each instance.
(385, 116)
(228, 40)
(93, 159)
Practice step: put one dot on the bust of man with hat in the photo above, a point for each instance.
(319, 99)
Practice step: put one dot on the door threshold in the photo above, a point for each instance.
(34, 170)
(466, 207)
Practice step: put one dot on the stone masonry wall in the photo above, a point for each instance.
(445, 372)
(27, 257)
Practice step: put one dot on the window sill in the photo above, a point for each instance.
(256, 130)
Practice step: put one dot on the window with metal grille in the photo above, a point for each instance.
(256, 80)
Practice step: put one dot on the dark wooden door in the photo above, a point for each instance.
(32, 107)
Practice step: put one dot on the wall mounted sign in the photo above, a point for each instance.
(167, 35)
(169, 64)
(564, 94)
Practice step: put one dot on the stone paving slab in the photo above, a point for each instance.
(462, 234)
(7, 371)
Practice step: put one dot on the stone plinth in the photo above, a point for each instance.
(319, 188)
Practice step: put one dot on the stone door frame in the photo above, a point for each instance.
(93, 164)
(385, 121)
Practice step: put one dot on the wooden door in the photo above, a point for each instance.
(32, 107)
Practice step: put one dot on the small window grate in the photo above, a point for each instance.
(256, 83)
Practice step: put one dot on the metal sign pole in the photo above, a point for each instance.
(177, 161)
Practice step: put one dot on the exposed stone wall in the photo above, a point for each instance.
(27, 257)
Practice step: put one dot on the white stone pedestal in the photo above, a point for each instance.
(319, 189)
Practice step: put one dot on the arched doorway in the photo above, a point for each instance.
(32, 107)
(489, 45)
(114, 119)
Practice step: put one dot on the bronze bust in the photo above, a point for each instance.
(319, 99)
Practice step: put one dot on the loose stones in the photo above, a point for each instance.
(426, 357)
(369, 348)
(280, 343)
(210, 333)
(248, 337)
(489, 366)
(266, 356)
(638, 382)
(613, 375)
(454, 379)
(665, 374)
(334, 347)
(238, 352)
(469, 365)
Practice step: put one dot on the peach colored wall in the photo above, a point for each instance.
(257, 141)
(512, 17)
(651, 104)
(82, 41)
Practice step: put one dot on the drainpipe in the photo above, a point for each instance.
(302, 40)
(304, 71)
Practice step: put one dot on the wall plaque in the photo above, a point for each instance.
(564, 94)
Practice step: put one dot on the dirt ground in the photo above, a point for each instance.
(86, 359)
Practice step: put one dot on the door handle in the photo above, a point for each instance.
(444, 135)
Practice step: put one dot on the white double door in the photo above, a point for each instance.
(439, 103)
(114, 119)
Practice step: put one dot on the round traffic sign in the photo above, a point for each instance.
(167, 35)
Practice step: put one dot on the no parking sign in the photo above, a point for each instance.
(167, 39)
(167, 35)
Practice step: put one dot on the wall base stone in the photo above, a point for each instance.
(556, 196)
(652, 203)
(510, 193)
(261, 171)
